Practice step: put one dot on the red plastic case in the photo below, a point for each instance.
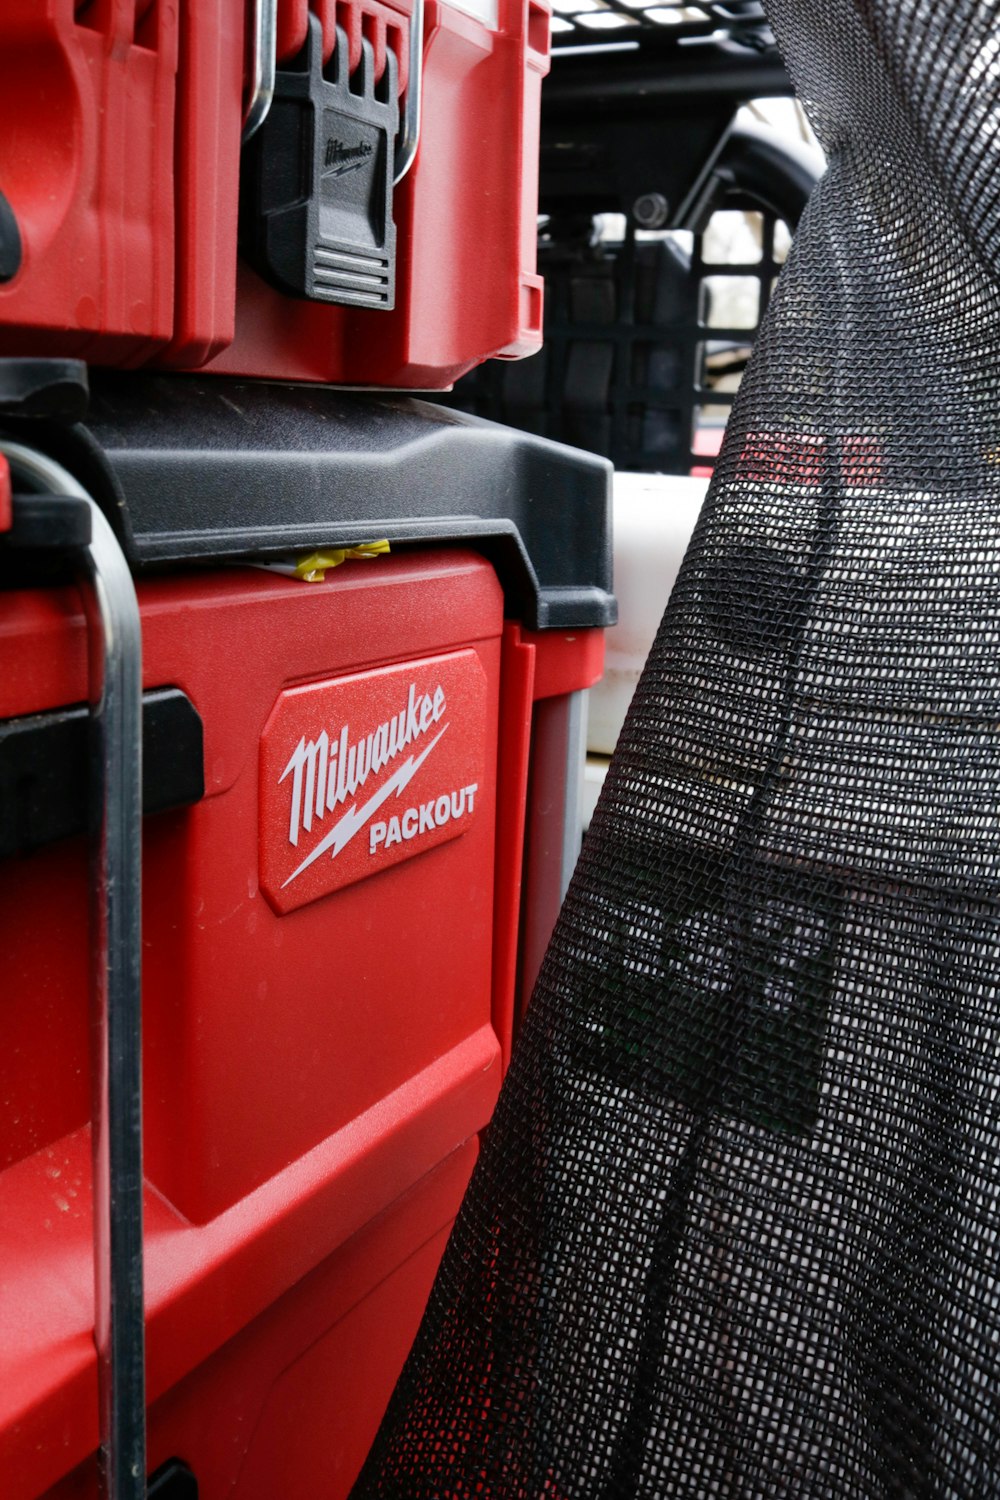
(466, 217)
(120, 125)
(322, 1045)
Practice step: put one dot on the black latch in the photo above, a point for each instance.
(48, 522)
(43, 768)
(317, 178)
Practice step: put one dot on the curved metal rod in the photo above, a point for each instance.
(264, 62)
(409, 135)
(115, 646)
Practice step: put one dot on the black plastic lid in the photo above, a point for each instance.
(192, 468)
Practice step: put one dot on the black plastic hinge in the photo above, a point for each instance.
(316, 214)
(44, 768)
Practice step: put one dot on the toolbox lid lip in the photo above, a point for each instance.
(192, 468)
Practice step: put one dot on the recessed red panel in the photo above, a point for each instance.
(364, 771)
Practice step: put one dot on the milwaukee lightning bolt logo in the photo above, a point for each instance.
(386, 764)
(339, 157)
(347, 826)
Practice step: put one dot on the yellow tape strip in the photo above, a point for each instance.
(314, 568)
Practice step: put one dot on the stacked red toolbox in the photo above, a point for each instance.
(120, 183)
(331, 910)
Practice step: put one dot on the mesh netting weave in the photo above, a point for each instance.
(734, 1231)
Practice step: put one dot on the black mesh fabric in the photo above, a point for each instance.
(734, 1231)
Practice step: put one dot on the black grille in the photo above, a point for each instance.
(645, 341)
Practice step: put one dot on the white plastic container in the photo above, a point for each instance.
(654, 516)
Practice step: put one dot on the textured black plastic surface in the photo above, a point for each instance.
(44, 768)
(211, 468)
(316, 213)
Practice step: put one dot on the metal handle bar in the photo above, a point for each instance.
(264, 54)
(264, 61)
(116, 1126)
(409, 135)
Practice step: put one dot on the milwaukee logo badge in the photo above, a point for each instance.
(339, 158)
(361, 772)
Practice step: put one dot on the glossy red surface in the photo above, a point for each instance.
(301, 1070)
(290, 1404)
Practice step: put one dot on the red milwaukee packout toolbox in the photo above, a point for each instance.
(360, 208)
(347, 785)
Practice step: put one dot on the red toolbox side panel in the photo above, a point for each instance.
(206, 186)
(536, 665)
